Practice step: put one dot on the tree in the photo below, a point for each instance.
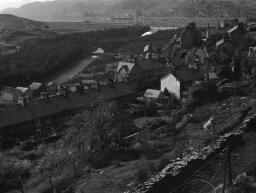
(102, 127)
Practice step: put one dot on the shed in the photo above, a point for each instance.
(152, 94)
(98, 51)
(36, 88)
(11, 94)
(180, 81)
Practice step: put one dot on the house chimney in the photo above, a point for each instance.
(208, 31)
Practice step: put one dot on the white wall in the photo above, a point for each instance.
(172, 85)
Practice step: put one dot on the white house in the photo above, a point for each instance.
(179, 83)
(123, 70)
(11, 94)
(99, 51)
(150, 52)
(171, 84)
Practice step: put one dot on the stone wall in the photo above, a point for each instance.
(179, 170)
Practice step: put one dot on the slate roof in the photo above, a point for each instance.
(232, 29)
(129, 66)
(98, 51)
(12, 90)
(150, 64)
(186, 75)
(35, 86)
(15, 114)
(22, 89)
(150, 48)
(220, 42)
(150, 93)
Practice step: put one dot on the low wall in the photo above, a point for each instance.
(179, 170)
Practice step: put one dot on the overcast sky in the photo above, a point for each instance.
(14, 3)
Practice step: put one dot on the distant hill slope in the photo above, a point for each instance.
(15, 30)
(63, 10)
(190, 8)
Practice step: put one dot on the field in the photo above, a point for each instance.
(75, 27)
(127, 169)
(79, 26)
(179, 21)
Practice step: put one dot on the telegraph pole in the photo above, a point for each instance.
(228, 169)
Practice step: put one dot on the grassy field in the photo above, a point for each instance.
(163, 145)
(71, 27)
(75, 27)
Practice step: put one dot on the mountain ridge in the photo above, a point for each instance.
(16, 30)
(77, 9)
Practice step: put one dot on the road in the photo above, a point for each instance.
(63, 76)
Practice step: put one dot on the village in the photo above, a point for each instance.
(154, 84)
(223, 56)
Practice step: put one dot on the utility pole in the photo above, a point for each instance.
(228, 169)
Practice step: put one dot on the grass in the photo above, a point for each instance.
(119, 171)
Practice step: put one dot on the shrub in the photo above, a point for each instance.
(152, 153)
(142, 175)
(163, 163)
(201, 93)
(100, 160)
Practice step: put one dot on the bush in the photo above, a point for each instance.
(152, 153)
(98, 161)
(142, 175)
(201, 93)
(163, 163)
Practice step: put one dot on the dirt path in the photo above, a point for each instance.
(63, 76)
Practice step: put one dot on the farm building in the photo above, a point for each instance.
(179, 82)
(98, 51)
(237, 34)
(128, 17)
(141, 71)
(151, 52)
(11, 94)
(151, 94)
(224, 50)
(36, 88)
(190, 37)
(43, 113)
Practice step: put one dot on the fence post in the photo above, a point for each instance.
(229, 165)
(74, 166)
(50, 181)
(21, 186)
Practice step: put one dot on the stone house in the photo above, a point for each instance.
(142, 71)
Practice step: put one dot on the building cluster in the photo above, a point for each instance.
(189, 58)
(41, 108)
(193, 56)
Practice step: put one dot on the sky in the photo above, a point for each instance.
(14, 3)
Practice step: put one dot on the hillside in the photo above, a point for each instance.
(15, 29)
(61, 10)
(190, 8)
